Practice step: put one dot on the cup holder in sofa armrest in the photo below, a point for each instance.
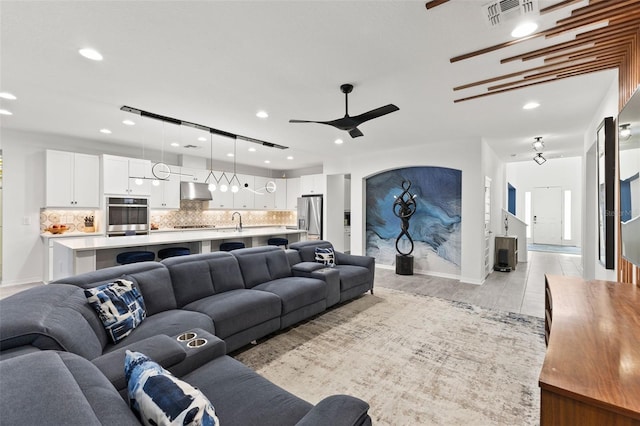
(164, 350)
(306, 267)
(200, 347)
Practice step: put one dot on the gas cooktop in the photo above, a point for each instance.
(193, 226)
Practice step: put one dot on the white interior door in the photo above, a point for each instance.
(547, 215)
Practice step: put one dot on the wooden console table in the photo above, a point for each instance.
(591, 372)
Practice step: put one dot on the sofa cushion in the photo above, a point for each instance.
(295, 292)
(326, 256)
(152, 278)
(159, 398)
(262, 264)
(202, 275)
(242, 397)
(59, 388)
(53, 316)
(237, 310)
(170, 323)
(119, 306)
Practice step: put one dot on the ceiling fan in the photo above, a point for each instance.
(348, 123)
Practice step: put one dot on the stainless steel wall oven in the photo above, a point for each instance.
(127, 216)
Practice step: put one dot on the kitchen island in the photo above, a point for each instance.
(72, 256)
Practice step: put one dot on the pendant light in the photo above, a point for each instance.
(211, 179)
(538, 145)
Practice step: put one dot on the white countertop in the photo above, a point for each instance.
(97, 243)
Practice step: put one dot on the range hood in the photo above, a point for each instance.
(195, 191)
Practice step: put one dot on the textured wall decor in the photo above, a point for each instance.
(435, 227)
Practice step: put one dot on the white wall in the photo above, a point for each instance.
(463, 155)
(592, 269)
(565, 173)
(334, 204)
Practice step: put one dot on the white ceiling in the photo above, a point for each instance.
(217, 63)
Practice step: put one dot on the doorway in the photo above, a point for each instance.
(547, 215)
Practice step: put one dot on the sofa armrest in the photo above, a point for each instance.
(338, 410)
(305, 268)
(164, 350)
(353, 259)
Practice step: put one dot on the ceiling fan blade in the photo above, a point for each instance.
(307, 121)
(375, 113)
(355, 132)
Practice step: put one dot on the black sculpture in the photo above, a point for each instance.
(404, 207)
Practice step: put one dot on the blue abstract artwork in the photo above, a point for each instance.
(435, 226)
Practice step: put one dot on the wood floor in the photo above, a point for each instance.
(520, 291)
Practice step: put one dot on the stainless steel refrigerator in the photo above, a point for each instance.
(310, 215)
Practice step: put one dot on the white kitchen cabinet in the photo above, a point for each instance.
(123, 176)
(312, 184)
(263, 199)
(72, 179)
(244, 198)
(293, 192)
(280, 196)
(166, 195)
(194, 175)
(221, 200)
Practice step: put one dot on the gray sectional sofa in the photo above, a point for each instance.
(227, 299)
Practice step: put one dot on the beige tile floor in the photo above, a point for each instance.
(520, 291)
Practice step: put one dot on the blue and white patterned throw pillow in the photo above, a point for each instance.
(159, 398)
(326, 256)
(120, 307)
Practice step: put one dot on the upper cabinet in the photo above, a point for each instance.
(293, 192)
(72, 179)
(166, 194)
(193, 175)
(125, 176)
(312, 184)
(262, 198)
(280, 196)
(244, 198)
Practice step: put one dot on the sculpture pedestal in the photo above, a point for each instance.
(404, 264)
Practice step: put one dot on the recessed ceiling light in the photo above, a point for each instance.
(176, 144)
(338, 141)
(230, 154)
(202, 139)
(290, 157)
(5, 112)
(262, 114)
(524, 29)
(267, 161)
(92, 54)
(531, 105)
(105, 131)
(129, 122)
(6, 95)
(252, 150)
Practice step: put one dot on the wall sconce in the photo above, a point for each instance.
(538, 145)
(625, 131)
(539, 159)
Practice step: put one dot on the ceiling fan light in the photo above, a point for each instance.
(524, 29)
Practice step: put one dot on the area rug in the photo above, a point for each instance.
(550, 248)
(417, 360)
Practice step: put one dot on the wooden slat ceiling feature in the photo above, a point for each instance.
(615, 44)
(433, 3)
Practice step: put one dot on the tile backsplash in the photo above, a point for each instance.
(192, 213)
(74, 219)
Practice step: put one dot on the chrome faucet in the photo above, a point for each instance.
(239, 225)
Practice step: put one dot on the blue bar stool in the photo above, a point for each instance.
(135, 256)
(275, 241)
(173, 251)
(231, 245)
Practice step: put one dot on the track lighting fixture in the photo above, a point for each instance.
(625, 131)
(539, 159)
(538, 145)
